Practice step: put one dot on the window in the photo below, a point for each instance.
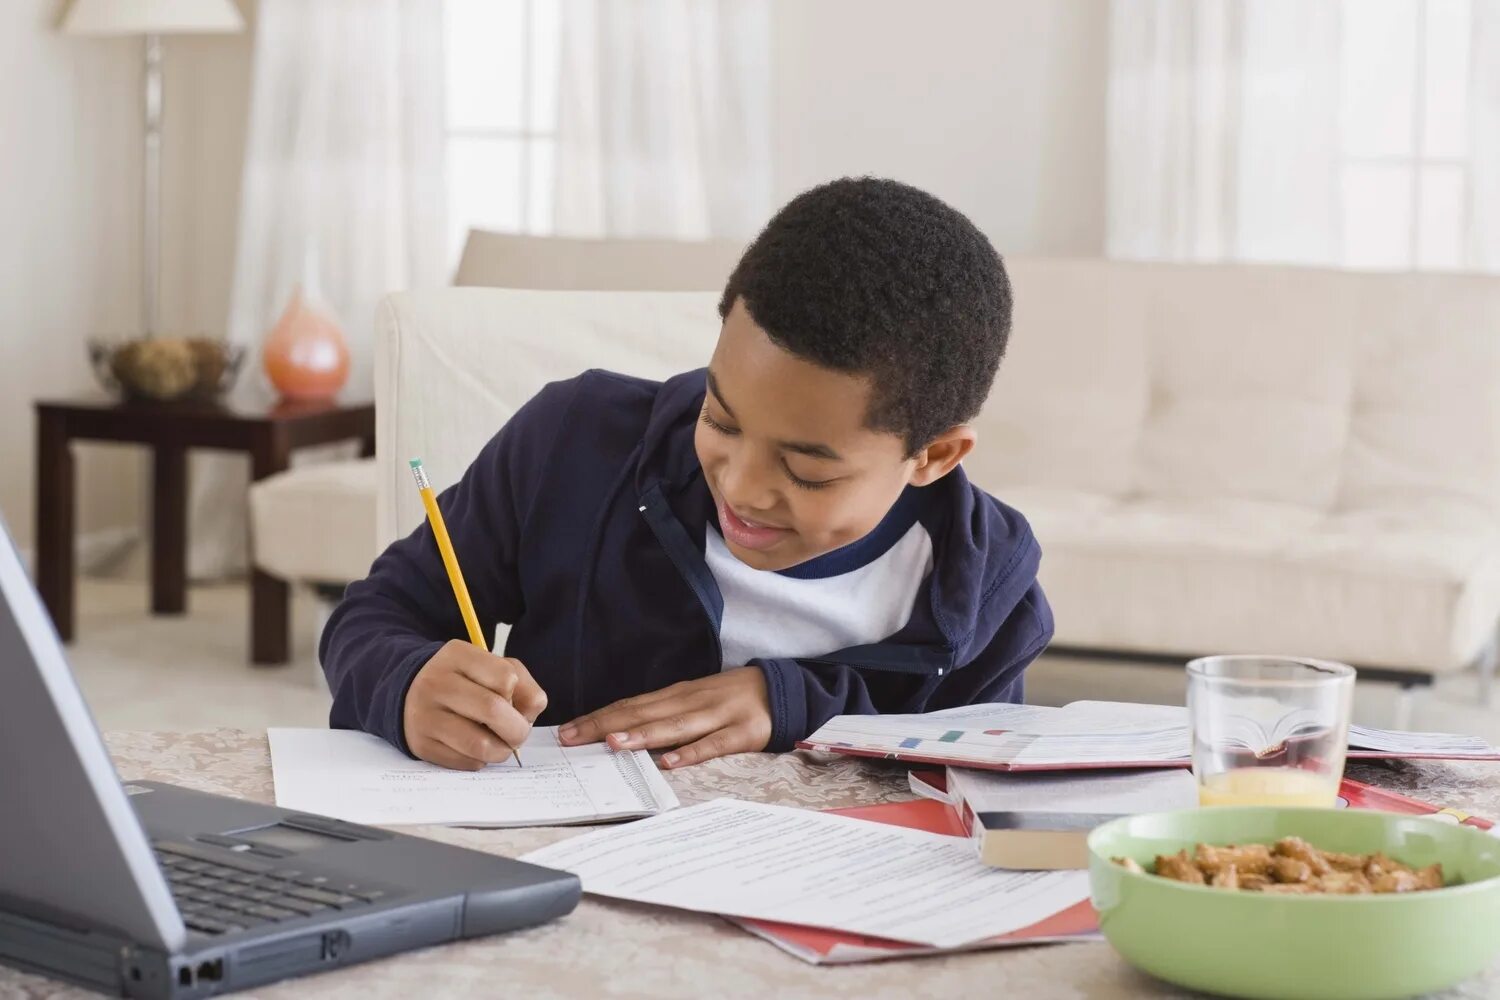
(501, 115)
(1404, 106)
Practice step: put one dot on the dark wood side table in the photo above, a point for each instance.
(266, 434)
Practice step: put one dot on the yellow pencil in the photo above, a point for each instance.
(450, 563)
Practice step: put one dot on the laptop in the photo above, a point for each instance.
(150, 890)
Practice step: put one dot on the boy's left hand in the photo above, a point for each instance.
(706, 718)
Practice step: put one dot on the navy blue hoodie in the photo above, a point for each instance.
(582, 524)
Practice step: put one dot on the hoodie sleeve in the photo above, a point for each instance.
(391, 623)
(805, 694)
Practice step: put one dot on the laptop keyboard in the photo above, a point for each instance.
(217, 898)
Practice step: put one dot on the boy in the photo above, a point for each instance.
(721, 562)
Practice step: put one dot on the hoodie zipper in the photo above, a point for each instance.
(689, 562)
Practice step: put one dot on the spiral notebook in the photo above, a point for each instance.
(363, 779)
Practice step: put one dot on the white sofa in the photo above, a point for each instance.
(1215, 458)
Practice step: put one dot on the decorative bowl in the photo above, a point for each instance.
(167, 369)
(1311, 947)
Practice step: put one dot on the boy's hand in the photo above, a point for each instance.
(466, 704)
(707, 718)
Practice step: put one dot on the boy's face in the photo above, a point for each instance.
(791, 465)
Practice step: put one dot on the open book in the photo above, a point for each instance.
(1092, 734)
(363, 779)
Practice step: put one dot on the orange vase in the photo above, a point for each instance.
(306, 355)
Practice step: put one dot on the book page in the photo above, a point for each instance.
(1027, 735)
(1114, 793)
(363, 779)
(1394, 741)
(1098, 733)
(747, 859)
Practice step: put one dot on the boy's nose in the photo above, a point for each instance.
(747, 488)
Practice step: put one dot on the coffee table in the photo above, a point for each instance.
(267, 434)
(608, 948)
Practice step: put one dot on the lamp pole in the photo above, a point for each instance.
(151, 220)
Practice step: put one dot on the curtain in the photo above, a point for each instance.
(342, 189)
(663, 122)
(1482, 236)
(1223, 130)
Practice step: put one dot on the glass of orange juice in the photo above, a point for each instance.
(1269, 730)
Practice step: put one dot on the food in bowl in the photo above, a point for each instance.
(1292, 866)
(1306, 946)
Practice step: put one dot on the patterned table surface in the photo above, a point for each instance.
(611, 949)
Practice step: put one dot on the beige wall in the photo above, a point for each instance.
(996, 106)
(69, 183)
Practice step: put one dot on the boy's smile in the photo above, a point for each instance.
(747, 533)
(793, 470)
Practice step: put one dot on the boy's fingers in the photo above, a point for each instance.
(719, 743)
(592, 728)
(471, 740)
(630, 713)
(439, 753)
(508, 678)
(481, 704)
(674, 730)
(620, 717)
(497, 673)
(528, 697)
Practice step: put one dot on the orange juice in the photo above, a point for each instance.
(1268, 786)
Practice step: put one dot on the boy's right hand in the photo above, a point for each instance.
(466, 704)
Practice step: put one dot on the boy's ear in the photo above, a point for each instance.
(943, 454)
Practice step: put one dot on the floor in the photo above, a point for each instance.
(192, 671)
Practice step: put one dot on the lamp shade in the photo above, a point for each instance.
(152, 17)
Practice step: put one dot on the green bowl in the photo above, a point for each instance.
(1250, 944)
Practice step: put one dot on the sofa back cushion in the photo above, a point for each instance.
(453, 365)
(1324, 390)
(1425, 419)
(1068, 403)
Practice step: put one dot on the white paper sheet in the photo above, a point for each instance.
(747, 859)
(363, 779)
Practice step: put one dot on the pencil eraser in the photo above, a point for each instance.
(416, 463)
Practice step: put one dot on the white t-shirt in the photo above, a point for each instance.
(854, 596)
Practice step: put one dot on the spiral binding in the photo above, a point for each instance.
(630, 770)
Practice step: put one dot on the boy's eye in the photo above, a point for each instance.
(797, 481)
(805, 484)
(714, 424)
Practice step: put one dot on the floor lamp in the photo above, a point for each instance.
(152, 18)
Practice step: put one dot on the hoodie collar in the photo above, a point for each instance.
(985, 558)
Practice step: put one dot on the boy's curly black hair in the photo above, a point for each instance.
(875, 277)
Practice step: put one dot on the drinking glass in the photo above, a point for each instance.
(1269, 730)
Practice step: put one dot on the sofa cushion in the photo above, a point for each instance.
(315, 522)
(1395, 587)
(1250, 379)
